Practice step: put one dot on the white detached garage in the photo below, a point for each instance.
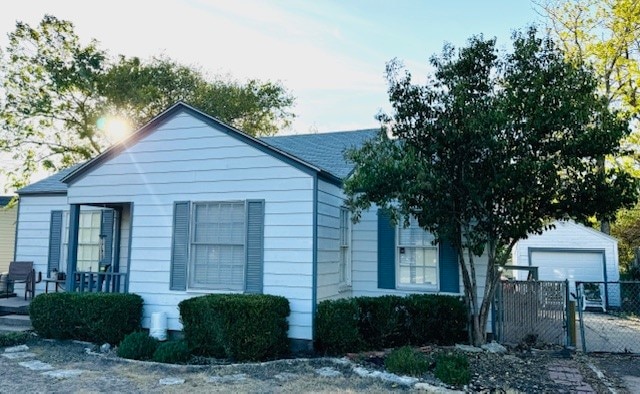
(574, 252)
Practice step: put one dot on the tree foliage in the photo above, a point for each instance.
(57, 88)
(493, 148)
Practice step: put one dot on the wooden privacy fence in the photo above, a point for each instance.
(532, 311)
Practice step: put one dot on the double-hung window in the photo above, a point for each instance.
(345, 253)
(218, 241)
(417, 257)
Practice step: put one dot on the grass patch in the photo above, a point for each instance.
(14, 338)
(452, 369)
(407, 361)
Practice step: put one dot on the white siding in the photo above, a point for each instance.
(569, 235)
(33, 232)
(187, 160)
(330, 199)
(7, 236)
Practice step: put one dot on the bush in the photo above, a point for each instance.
(383, 320)
(14, 338)
(407, 361)
(453, 369)
(389, 321)
(236, 326)
(137, 346)
(93, 317)
(337, 326)
(173, 352)
(436, 319)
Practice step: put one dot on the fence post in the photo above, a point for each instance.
(579, 290)
(567, 319)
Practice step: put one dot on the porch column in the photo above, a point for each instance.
(72, 251)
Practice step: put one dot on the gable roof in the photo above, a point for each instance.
(321, 154)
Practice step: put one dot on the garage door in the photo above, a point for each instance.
(574, 266)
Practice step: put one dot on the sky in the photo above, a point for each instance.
(330, 54)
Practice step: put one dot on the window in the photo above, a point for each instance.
(345, 240)
(218, 246)
(417, 261)
(88, 241)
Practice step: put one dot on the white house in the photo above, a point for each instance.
(189, 206)
(571, 251)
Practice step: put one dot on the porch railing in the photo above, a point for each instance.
(96, 282)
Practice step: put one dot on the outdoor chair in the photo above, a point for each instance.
(22, 272)
(593, 296)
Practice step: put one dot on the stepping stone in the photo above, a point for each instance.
(63, 373)
(171, 381)
(18, 355)
(36, 365)
(16, 349)
(228, 378)
(328, 372)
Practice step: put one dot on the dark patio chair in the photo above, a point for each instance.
(22, 272)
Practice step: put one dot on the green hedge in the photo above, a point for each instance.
(236, 326)
(350, 325)
(93, 317)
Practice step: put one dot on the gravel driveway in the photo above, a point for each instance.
(67, 367)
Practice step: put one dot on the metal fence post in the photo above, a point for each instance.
(581, 315)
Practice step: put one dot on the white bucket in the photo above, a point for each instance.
(158, 328)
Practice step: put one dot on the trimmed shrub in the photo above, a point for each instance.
(436, 319)
(452, 369)
(137, 346)
(389, 321)
(14, 338)
(383, 320)
(407, 361)
(240, 327)
(173, 352)
(337, 326)
(93, 317)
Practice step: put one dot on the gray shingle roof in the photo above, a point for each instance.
(322, 150)
(4, 200)
(49, 185)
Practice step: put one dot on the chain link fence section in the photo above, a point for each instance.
(609, 316)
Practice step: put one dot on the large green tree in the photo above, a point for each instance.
(493, 148)
(606, 35)
(57, 90)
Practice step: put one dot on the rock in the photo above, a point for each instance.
(63, 373)
(430, 388)
(494, 347)
(171, 381)
(468, 348)
(285, 376)
(36, 365)
(16, 349)
(228, 378)
(328, 372)
(105, 348)
(17, 355)
(385, 376)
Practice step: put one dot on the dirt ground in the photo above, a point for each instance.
(97, 373)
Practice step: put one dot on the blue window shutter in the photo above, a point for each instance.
(386, 251)
(106, 231)
(55, 241)
(448, 265)
(180, 246)
(255, 246)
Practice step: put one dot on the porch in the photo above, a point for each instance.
(94, 257)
